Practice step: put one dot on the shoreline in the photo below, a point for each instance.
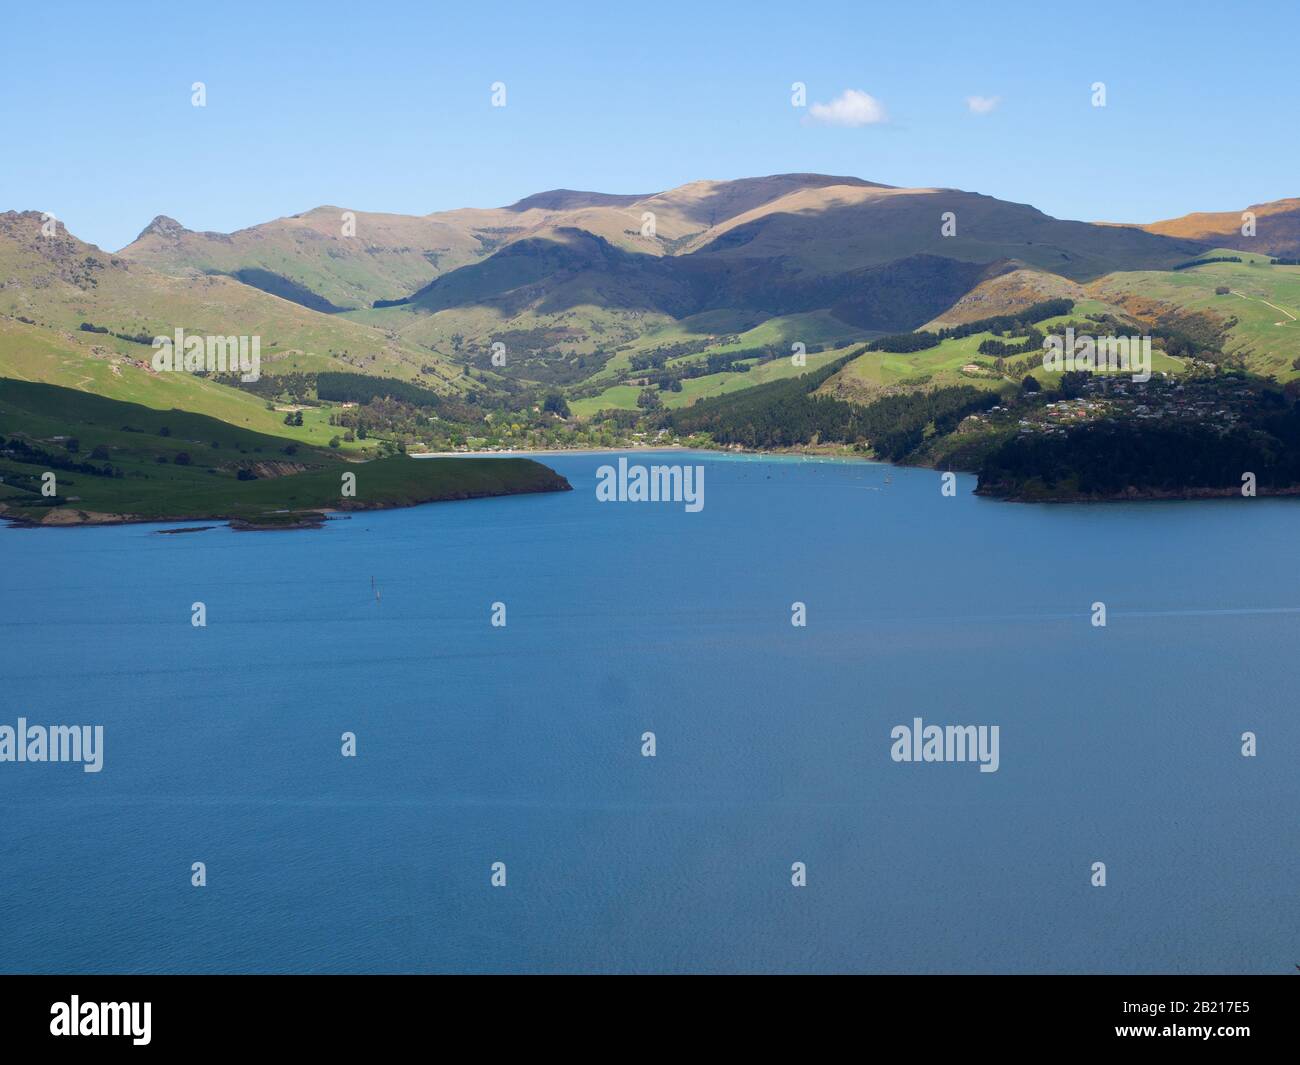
(316, 518)
(1189, 495)
(1186, 495)
(298, 519)
(828, 452)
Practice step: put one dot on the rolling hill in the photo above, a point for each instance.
(762, 242)
(876, 257)
(333, 259)
(691, 293)
(72, 314)
(122, 462)
(1256, 304)
(1277, 228)
(307, 258)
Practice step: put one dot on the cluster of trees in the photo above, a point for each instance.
(722, 362)
(294, 387)
(361, 388)
(729, 361)
(659, 356)
(1018, 368)
(1211, 259)
(895, 426)
(648, 360)
(775, 414)
(535, 355)
(21, 451)
(1195, 334)
(1014, 324)
(1198, 334)
(381, 415)
(904, 342)
(1104, 460)
(788, 412)
(1033, 341)
(134, 338)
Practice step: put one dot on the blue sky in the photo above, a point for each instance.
(387, 107)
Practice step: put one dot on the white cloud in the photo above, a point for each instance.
(982, 105)
(851, 108)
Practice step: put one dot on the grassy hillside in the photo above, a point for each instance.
(1262, 304)
(122, 461)
(712, 333)
(80, 361)
(59, 283)
(547, 301)
(1006, 294)
(567, 281)
(957, 361)
(828, 230)
(386, 256)
(624, 397)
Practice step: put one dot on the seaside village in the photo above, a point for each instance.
(1219, 402)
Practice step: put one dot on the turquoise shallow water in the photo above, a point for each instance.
(522, 745)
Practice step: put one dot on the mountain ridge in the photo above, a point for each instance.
(352, 260)
(1276, 227)
(566, 279)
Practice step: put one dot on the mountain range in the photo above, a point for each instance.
(875, 255)
(573, 285)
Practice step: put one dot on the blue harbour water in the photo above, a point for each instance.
(522, 744)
